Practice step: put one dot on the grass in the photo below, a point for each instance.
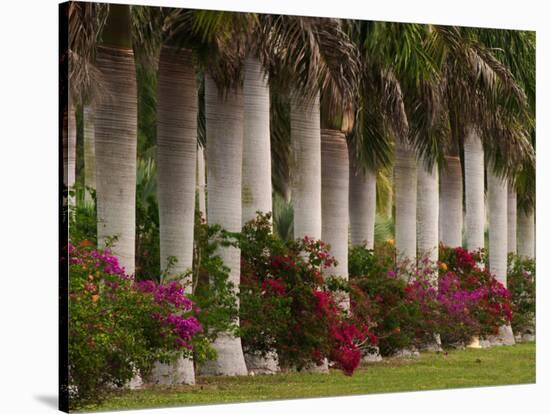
(466, 368)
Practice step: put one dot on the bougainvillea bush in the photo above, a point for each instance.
(521, 284)
(409, 303)
(287, 305)
(399, 299)
(474, 301)
(118, 326)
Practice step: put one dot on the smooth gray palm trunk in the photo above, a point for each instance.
(405, 182)
(201, 181)
(450, 203)
(427, 213)
(362, 204)
(89, 151)
(69, 150)
(256, 191)
(498, 219)
(176, 159)
(335, 200)
(305, 136)
(474, 190)
(526, 233)
(116, 143)
(224, 151)
(512, 220)
(497, 194)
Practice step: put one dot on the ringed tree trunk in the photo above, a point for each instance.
(427, 213)
(498, 235)
(335, 199)
(497, 189)
(256, 186)
(201, 181)
(224, 150)
(305, 137)
(362, 204)
(526, 233)
(89, 151)
(69, 150)
(474, 190)
(512, 220)
(176, 159)
(116, 139)
(450, 203)
(405, 201)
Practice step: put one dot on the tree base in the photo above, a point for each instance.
(230, 359)
(179, 372)
(262, 365)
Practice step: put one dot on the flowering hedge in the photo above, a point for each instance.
(521, 284)
(475, 302)
(289, 308)
(117, 326)
(409, 303)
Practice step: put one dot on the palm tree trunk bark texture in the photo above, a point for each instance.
(224, 151)
(176, 160)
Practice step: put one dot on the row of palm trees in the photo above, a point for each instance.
(335, 103)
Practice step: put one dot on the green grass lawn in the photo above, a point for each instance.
(467, 368)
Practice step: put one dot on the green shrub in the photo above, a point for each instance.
(521, 284)
(118, 327)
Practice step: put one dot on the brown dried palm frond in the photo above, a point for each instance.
(85, 23)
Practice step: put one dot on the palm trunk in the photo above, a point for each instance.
(89, 152)
(427, 212)
(176, 159)
(405, 201)
(498, 236)
(362, 204)
(256, 191)
(335, 199)
(69, 150)
(224, 150)
(512, 220)
(497, 189)
(305, 136)
(116, 139)
(474, 190)
(450, 203)
(388, 212)
(526, 234)
(201, 181)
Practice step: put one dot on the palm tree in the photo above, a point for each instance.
(512, 219)
(89, 151)
(176, 169)
(335, 196)
(224, 150)
(498, 235)
(474, 184)
(69, 146)
(116, 138)
(305, 136)
(450, 202)
(256, 186)
(427, 212)
(201, 180)
(526, 233)
(362, 203)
